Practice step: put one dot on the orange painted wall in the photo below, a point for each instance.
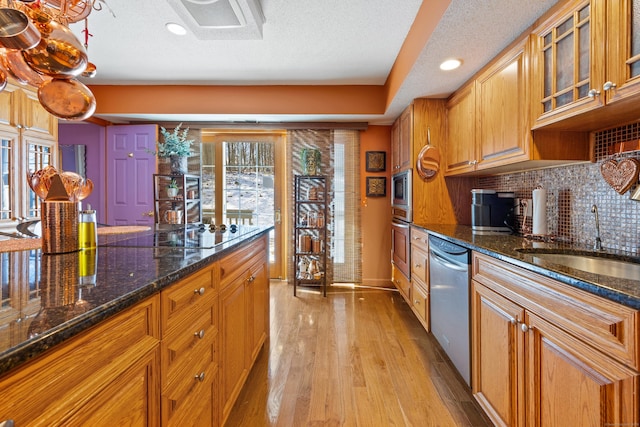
(375, 212)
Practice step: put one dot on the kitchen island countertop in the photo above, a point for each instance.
(47, 299)
(505, 247)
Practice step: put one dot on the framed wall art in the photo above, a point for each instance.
(376, 161)
(376, 186)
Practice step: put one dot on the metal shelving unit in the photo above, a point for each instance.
(310, 259)
(186, 202)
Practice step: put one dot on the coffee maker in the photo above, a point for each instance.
(492, 211)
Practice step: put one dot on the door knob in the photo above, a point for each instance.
(150, 213)
(130, 154)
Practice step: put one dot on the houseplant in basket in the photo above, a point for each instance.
(176, 147)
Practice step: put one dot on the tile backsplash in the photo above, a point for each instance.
(573, 190)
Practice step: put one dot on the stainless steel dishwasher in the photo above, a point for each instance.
(449, 291)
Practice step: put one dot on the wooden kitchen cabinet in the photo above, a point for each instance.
(402, 141)
(623, 53)
(21, 109)
(502, 111)
(420, 275)
(244, 317)
(402, 283)
(29, 135)
(108, 375)
(189, 355)
(548, 354)
(586, 56)
(461, 125)
(490, 127)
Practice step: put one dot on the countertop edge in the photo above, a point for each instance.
(34, 347)
(601, 290)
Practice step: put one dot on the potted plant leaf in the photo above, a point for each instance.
(172, 188)
(177, 147)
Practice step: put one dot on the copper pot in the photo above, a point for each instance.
(22, 71)
(16, 30)
(67, 99)
(59, 53)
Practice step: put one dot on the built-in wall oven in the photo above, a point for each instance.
(401, 196)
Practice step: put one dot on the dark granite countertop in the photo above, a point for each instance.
(504, 247)
(47, 299)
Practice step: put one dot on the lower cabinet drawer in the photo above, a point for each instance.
(179, 349)
(402, 283)
(190, 382)
(420, 302)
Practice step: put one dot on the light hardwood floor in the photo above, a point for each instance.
(358, 357)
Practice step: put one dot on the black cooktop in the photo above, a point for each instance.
(195, 237)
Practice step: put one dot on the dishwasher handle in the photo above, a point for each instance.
(441, 257)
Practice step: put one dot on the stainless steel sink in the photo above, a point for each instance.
(589, 262)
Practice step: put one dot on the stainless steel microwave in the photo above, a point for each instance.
(401, 195)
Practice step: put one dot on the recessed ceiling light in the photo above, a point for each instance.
(176, 28)
(450, 64)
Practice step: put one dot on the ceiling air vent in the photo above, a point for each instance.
(221, 19)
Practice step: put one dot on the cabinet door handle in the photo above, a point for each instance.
(199, 291)
(199, 334)
(593, 93)
(200, 376)
(416, 302)
(251, 278)
(418, 265)
(513, 321)
(524, 327)
(608, 86)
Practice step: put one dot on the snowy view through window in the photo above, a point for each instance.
(248, 184)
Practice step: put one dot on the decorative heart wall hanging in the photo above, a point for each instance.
(620, 175)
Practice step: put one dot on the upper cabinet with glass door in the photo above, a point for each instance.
(28, 142)
(623, 66)
(586, 56)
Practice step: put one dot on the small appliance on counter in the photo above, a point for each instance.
(492, 211)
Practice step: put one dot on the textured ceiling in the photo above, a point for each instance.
(317, 42)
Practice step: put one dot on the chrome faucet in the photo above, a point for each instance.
(597, 246)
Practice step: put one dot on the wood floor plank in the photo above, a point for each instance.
(358, 357)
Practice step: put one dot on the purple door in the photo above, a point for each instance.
(130, 169)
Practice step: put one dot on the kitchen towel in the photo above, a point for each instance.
(540, 211)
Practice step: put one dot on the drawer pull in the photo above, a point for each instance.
(251, 278)
(416, 302)
(199, 291)
(418, 265)
(200, 376)
(199, 334)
